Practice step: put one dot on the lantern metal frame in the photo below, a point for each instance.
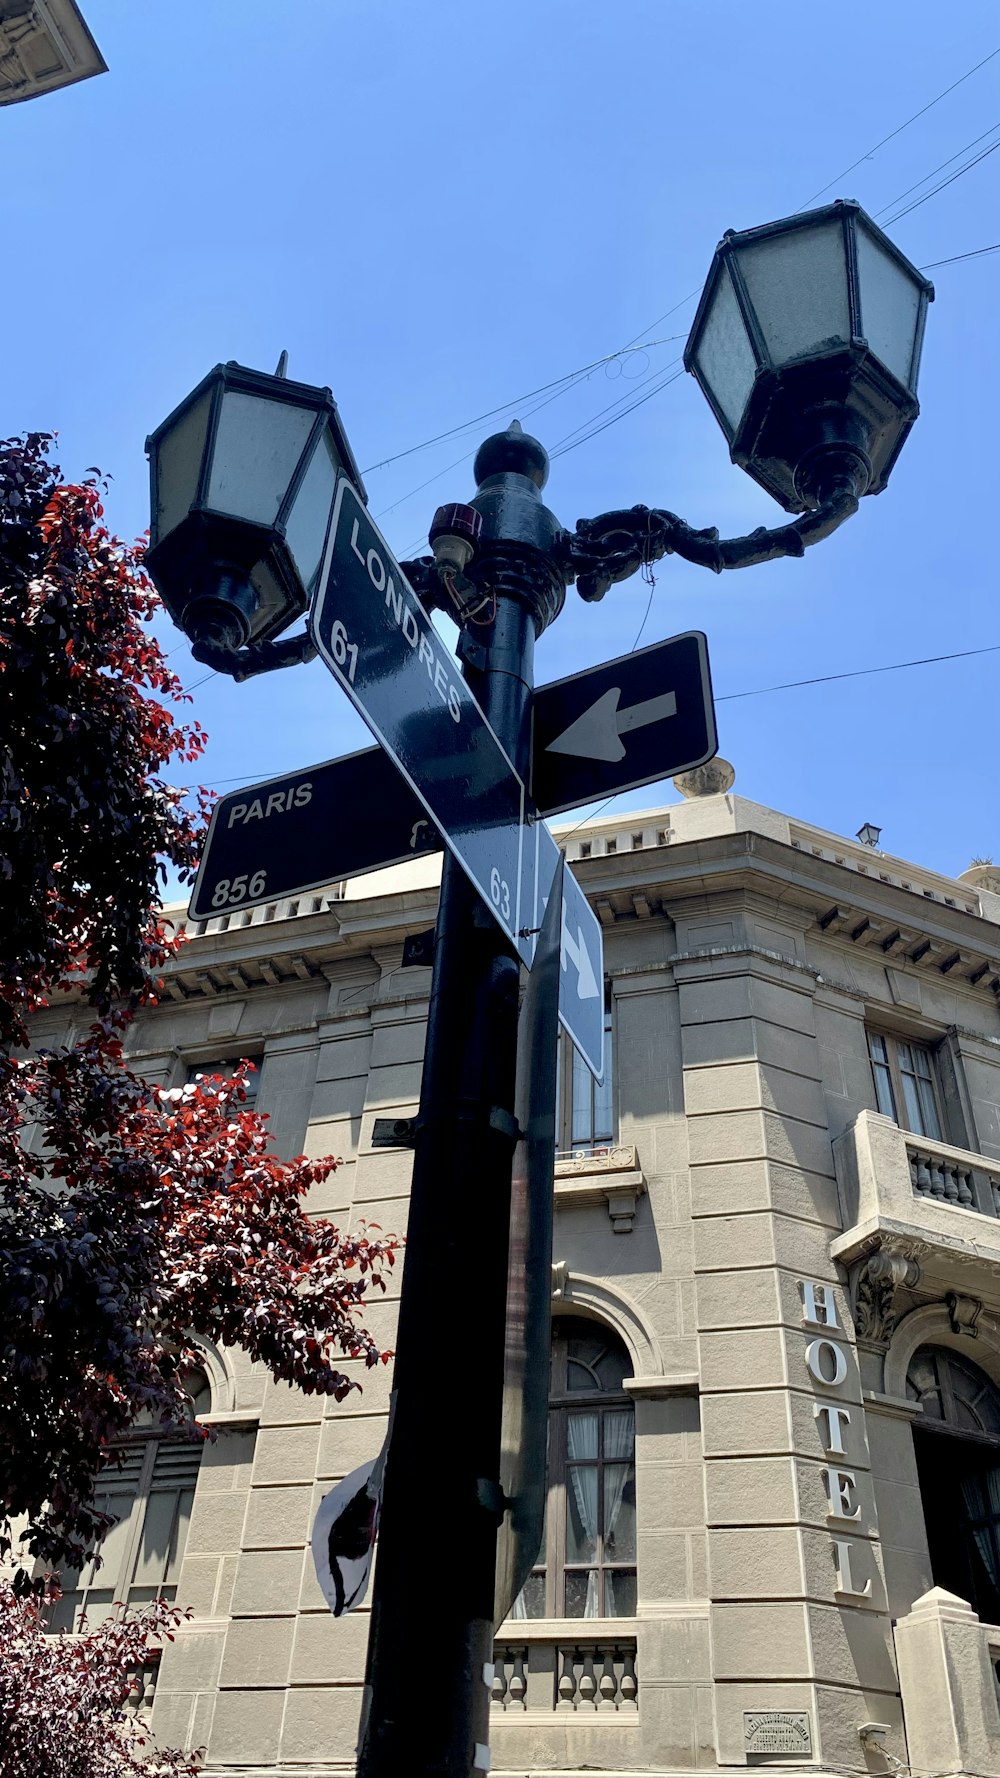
(805, 421)
(209, 557)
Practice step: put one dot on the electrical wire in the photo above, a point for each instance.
(900, 128)
(792, 685)
(570, 377)
(938, 169)
(587, 436)
(976, 253)
(944, 183)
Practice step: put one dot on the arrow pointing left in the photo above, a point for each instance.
(596, 734)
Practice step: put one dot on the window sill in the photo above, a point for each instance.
(611, 1177)
(566, 1629)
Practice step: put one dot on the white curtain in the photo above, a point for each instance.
(981, 1495)
(619, 1449)
(581, 1442)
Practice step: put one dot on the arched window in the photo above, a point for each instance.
(150, 1499)
(586, 1567)
(957, 1445)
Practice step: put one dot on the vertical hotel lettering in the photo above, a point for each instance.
(826, 1362)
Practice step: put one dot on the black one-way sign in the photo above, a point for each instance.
(624, 724)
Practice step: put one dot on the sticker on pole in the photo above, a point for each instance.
(343, 1538)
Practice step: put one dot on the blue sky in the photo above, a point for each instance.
(438, 208)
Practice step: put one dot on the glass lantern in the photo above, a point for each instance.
(807, 344)
(242, 480)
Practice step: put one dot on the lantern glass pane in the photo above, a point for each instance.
(178, 465)
(305, 531)
(797, 283)
(890, 306)
(257, 447)
(724, 355)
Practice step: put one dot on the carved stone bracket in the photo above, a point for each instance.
(882, 1274)
(963, 1314)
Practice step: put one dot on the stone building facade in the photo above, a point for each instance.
(774, 1521)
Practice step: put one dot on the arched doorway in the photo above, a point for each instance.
(957, 1445)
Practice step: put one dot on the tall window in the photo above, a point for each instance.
(586, 1566)
(150, 1500)
(956, 1441)
(905, 1083)
(586, 1110)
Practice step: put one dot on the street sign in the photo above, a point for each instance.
(343, 1536)
(298, 832)
(524, 1422)
(378, 642)
(624, 724)
(581, 953)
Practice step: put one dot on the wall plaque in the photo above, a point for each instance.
(777, 1731)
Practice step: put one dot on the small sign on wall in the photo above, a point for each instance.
(777, 1731)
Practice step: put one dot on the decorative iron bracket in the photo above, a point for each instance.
(615, 545)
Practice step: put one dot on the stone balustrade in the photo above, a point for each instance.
(563, 1673)
(894, 1184)
(143, 1688)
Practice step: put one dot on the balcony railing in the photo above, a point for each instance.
(566, 1673)
(952, 1176)
(892, 1182)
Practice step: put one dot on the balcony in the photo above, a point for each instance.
(923, 1200)
(540, 1669)
(605, 1174)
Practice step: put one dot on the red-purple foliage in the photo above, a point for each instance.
(137, 1218)
(62, 1698)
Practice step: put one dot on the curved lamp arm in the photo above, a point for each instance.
(607, 549)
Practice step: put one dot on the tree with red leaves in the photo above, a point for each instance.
(63, 1699)
(136, 1218)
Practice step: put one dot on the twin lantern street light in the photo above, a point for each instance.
(806, 343)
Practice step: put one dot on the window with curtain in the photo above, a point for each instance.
(906, 1086)
(150, 1499)
(587, 1564)
(586, 1110)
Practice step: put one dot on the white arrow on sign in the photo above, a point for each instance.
(576, 950)
(596, 734)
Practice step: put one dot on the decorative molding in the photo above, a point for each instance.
(656, 1388)
(612, 1177)
(886, 1269)
(963, 1313)
(603, 1301)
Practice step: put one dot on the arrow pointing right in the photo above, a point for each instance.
(576, 950)
(596, 734)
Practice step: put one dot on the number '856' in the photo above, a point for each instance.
(229, 891)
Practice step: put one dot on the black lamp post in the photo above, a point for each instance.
(806, 342)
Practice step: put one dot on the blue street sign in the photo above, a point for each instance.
(581, 972)
(378, 642)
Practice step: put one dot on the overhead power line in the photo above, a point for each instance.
(729, 697)
(898, 131)
(944, 183)
(956, 258)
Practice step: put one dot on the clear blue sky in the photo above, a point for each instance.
(437, 208)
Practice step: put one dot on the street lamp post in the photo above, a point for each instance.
(806, 342)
